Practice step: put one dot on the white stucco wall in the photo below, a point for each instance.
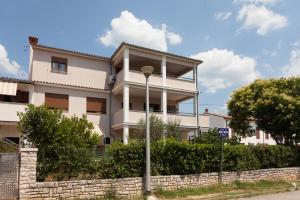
(81, 71)
(77, 103)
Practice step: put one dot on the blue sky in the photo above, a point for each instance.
(238, 40)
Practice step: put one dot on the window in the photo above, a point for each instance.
(21, 97)
(60, 101)
(96, 105)
(257, 133)
(267, 136)
(59, 65)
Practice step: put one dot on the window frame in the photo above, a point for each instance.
(59, 61)
(54, 107)
(103, 109)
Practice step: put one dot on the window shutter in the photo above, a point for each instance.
(257, 133)
(96, 105)
(57, 101)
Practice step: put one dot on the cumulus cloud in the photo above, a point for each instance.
(9, 67)
(260, 18)
(265, 2)
(131, 29)
(223, 68)
(174, 38)
(293, 68)
(221, 16)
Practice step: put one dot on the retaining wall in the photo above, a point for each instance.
(129, 187)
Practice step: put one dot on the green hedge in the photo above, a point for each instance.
(185, 158)
(173, 157)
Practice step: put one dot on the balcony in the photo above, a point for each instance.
(156, 80)
(186, 120)
(9, 111)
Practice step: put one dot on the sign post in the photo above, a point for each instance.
(223, 133)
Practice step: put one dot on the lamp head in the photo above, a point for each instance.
(147, 70)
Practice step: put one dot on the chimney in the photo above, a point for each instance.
(206, 110)
(33, 40)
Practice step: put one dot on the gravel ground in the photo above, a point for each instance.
(280, 196)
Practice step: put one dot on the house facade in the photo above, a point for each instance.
(110, 91)
(209, 120)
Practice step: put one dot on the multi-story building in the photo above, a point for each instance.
(110, 91)
(209, 120)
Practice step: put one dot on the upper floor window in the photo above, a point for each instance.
(21, 97)
(59, 65)
(60, 101)
(96, 105)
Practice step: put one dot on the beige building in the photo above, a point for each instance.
(110, 91)
(209, 120)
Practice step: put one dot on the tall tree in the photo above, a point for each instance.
(273, 104)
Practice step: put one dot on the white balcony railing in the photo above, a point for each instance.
(9, 110)
(157, 80)
(136, 115)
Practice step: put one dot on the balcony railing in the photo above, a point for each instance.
(157, 80)
(9, 111)
(188, 120)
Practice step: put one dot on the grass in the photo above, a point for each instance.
(216, 192)
(225, 191)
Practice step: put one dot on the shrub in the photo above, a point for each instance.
(276, 156)
(65, 144)
(173, 157)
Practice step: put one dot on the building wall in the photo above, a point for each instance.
(130, 187)
(77, 103)
(81, 71)
(9, 130)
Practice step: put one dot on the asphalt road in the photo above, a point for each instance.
(280, 196)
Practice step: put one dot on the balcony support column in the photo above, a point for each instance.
(126, 64)
(164, 91)
(125, 96)
(31, 94)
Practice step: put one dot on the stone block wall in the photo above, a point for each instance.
(129, 187)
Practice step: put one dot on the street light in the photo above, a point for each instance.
(147, 70)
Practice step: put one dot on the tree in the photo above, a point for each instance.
(212, 137)
(274, 106)
(158, 128)
(65, 144)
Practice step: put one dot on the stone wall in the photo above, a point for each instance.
(128, 187)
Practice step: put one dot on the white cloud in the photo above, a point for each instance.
(265, 2)
(222, 68)
(296, 44)
(221, 16)
(261, 18)
(131, 29)
(9, 67)
(174, 38)
(293, 68)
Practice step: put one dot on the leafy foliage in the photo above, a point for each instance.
(174, 157)
(65, 144)
(212, 137)
(158, 129)
(274, 104)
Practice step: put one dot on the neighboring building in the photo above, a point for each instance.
(109, 90)
(209, 120)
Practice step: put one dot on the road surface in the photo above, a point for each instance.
(280, 196)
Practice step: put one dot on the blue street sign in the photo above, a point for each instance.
(223, 132)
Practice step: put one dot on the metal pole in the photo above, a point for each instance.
(221, 164)
(148, 172)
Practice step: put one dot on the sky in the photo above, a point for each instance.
(238, 40)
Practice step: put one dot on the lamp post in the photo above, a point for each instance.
(147, 70)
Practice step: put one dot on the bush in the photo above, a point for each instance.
(183, 158)
(276, 156)
(65, 144)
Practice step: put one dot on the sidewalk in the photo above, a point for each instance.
(280, 196)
